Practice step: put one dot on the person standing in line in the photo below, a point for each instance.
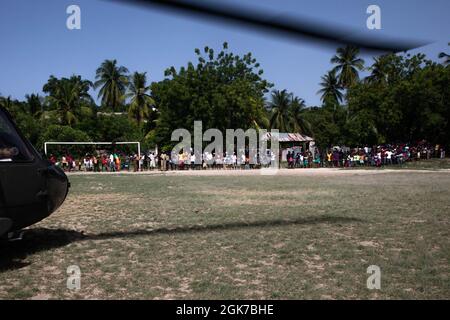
(96, 164)
(167, 161)
(118, 162)
(52, 159)
(69, 162)
(329, 155)
(192, 159)
(112, 165)
(152, 161)
(64, 163)
(163, 162)
(141, 162)
(104, 162)
(335, 158)
(135, 163)
(389, 157)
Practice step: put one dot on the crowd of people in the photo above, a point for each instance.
(377, 156)
(104, 162)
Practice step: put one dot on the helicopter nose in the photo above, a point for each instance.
(57, 187)
(5, 225)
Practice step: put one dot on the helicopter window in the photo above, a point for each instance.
(12, 147)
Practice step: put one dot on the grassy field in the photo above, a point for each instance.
(256, 237)
(432, 164)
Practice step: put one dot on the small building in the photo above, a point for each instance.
(296, 142)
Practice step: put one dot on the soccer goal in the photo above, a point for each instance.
(46, 144)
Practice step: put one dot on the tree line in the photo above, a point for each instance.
(405, 98)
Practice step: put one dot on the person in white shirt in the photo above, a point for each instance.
(152, 161)
(209, 159)
(389, 157)
(234, 160)
(141, 162)
(112, 166)
(193, 161)
(243, 161)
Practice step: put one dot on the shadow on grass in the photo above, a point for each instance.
(223, 226)
(35, 240)
(13, 254)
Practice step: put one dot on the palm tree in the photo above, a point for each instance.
(112, 81)
(280, 119)
(331, 89)
(260, 120)
(70, 99)
(379, 70)
(51, 85)
(8, 104)
(297, 118)
(348, 65)
(443, 55)
(141, 102)
(35, 106)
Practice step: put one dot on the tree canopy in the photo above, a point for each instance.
(222, 90)
(405, 98)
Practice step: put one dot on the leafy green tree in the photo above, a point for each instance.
(222, 90)
(386, 69)
(297, 112)
(287, 113)
(9, 105)
(445, 56)
(404, 99)
(141, 102)
(52, 85)
(35, 105)
(331, 88)
(348, 65)
(280, 110)
(116, 128)
(23, 119)
(64, 133)
(112, 81)
(69, 98)
(414, 106)
(324, 129)
(379, 70)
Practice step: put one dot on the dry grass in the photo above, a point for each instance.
(255, 237)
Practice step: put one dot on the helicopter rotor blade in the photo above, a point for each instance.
(289, 26)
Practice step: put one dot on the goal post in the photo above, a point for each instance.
(95, 143)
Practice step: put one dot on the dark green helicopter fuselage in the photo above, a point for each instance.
(31, 187)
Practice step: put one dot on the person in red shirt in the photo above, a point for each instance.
(52, 159)
(69, 162)
(104, 163)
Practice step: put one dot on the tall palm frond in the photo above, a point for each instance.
(331, 88)
(112, 81)
(279, 106)
(141, 102)
(348, 65)
(297, 116)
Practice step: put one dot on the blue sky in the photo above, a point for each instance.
(35, 42)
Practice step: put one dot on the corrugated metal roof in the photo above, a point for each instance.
(289, 137)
